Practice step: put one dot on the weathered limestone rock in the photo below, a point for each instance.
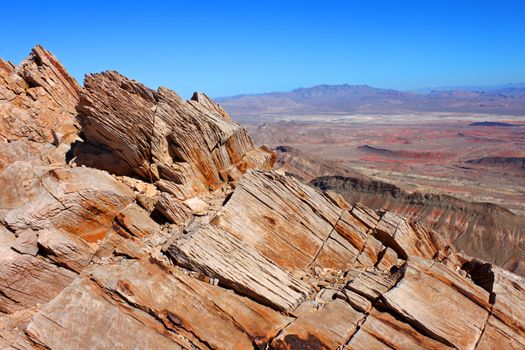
(204, 313)
(371, 284)
(194, 250)
(381, 330)
(80, 201)
(26, 243)
(172, 209)
(366, 215)
(37, 100)
(190, 145)
(509, 303)
(437, 307)
(285, 221)
(136, 221)
(66, 249)
(39, 154)
(12, 328)
(498, 335)
(326, 328)
(405, 238)
(84, 317)
(196, 205)
(26, 280)
(238, 266)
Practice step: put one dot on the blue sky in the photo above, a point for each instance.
(231, 47)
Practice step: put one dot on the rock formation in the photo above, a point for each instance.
(37, 100)
(163, 227)
(485, 230)
(186, 147)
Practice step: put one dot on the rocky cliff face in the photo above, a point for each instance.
(162, 227)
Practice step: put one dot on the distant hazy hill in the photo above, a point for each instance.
(366, 99)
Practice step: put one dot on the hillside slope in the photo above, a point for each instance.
(187, 240)
(481, 229)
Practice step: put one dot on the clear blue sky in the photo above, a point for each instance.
(230, 47)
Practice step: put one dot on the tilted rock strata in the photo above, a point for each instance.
(482, 229)
(187, 146)
(255, 260)
(485, 230)
(238, 266)
(37, 100)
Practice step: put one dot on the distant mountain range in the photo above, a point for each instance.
(469, 88)
(346, 98)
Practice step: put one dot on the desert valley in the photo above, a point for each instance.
(463, 173)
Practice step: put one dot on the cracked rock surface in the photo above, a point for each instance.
(157, 224)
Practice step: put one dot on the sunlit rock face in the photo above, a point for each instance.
(187, 146)
(162, 227)
(37, 100)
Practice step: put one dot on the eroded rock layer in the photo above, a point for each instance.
(186, 146)
(485, 230)
(37, 100)
(204, 248)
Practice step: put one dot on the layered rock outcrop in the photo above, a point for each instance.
(37, 100)
(186, 146)
(485, 230)
(190, 242)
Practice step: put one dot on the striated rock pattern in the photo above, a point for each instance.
(187, 147)
(37, 100)
(485, 230)
(187, 241)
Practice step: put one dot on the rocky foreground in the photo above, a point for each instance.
(132, 218)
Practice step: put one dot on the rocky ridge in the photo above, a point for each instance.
(484, 230)
(161, 226)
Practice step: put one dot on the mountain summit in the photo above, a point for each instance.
(132, 218)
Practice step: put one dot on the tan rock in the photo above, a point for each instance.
(238, 266)
(172, 209)
(326, 328)
(37, 100)
(509, 303)
(404, 237)
(26, 243)
(66, 249)
(80, 201)
(337, 199)
(497, 335)
(196, 205)
(82, 310)
(383, 331)
(389, 259)
(287, 222)
(366, 215)
(187, 144)
(136, 221)
(357, 301)
(39, 154)
(437, 307)
(202, 312)
(12, 329)
(26, 281)
(372, 284)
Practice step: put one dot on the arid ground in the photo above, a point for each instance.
(431, 152)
